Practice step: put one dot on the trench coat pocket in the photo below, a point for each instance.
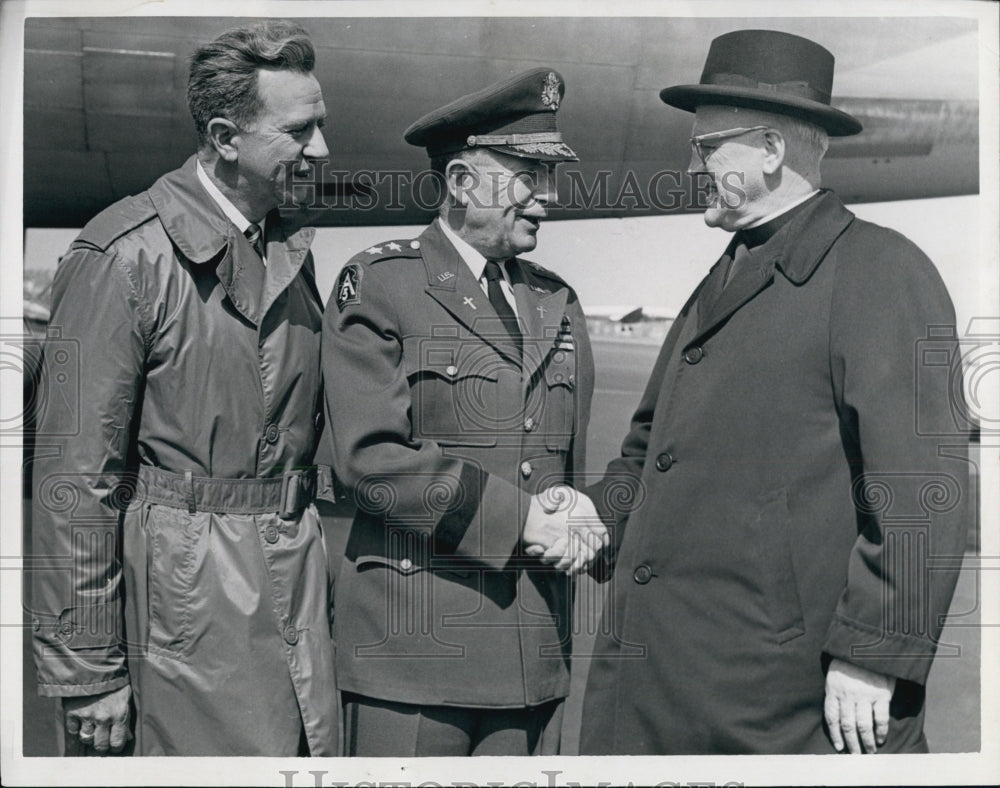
(454, 394)
(171, 557)
(774, 537)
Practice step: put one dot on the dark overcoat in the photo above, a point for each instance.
(794, 488)
(443, 437)
(176, 352)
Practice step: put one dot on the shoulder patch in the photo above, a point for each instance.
(348, 289)
(387, 250)
(115, 221)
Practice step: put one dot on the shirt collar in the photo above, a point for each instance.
(231, 211)
(472, 258)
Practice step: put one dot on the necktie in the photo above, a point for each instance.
(256, 239)
(499, 302)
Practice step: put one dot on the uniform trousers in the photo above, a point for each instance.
(375, 727)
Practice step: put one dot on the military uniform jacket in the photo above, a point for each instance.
(179, 351)
(799, 492)
(443, 438)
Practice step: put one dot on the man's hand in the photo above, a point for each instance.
(857, 703)
(563, 529)
(100, 721)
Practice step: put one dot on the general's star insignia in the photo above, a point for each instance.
(393, 246)
(374, 250)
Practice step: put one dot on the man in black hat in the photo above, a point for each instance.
(772, 587)
(459, 383)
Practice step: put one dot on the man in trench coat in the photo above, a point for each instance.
(793, 531)
(184, 570)
(458, 380)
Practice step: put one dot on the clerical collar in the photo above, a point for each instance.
(763, 232)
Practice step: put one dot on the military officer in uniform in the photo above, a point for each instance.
(459, 384)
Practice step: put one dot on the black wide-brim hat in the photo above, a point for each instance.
(770, 71)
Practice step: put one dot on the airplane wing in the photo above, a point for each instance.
(105, 111)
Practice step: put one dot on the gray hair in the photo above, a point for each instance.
(222, 82)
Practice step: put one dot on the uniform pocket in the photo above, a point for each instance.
(171, 543)
(774, 536)
(454, 391)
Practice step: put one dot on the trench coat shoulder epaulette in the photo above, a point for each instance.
(115, 221)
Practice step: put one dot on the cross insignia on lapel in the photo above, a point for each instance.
(468, 302)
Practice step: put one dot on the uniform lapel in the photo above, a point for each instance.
(451, 284)
(540, 309)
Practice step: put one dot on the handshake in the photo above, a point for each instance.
(564, 530)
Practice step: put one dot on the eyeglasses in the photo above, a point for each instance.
(703, 153)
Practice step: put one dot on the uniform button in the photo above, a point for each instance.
(271, 534)
(36, 624)
(693, 355)
(559, 357)
(664, 461)
(529, 424)
(291, 635)
(66, 628)
(414, 244)
(452, 371)
(572, 380)
(406, 564)
(642, 574)
(526, 469)
(271, 433)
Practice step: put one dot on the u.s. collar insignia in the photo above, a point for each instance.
(550, 91)
(348, 288)
(445, 276)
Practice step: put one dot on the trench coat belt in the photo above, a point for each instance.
(286, 495)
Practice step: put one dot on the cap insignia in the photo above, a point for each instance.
(550, 91)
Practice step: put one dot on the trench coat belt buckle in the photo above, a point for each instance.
(287, 494)
(298, 489)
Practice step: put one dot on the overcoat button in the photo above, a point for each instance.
(414, 244)
(271, 433)
(559, 357)
(642, 574)
(572, 380)
(66, 628)
(452, 371)
(693, 355)
(529, 424)
(406, 564)
(291, 635)
(271, 534)
(664, 461)
(36, 624)
(526, 469)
